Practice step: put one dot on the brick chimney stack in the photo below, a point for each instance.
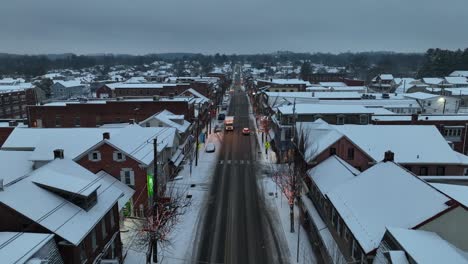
(389, 156)
(106, 135)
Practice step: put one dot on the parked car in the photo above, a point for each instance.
(210, 147)
(221, 116)
(218, 128)
(246, 131)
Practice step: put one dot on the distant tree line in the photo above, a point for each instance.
(438, 62)
(363, 65)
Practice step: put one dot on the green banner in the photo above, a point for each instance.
(150, 184)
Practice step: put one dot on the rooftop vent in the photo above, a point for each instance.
(58, 154)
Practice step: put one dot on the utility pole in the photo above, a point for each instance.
(294, 176)
(155, 200)
(198, 135)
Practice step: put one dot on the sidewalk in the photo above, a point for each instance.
(183, 236)
(280, 208)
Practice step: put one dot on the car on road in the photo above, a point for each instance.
(218, 128)
(221, 116)
(246, 131)
(210, 147)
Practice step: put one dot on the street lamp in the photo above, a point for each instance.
(442, 99)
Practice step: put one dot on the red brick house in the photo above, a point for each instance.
(420, 149)
(131, 163)
(140, 89)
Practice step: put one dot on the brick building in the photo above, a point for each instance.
(420, 149)
(15, 98)
(140, 89)
(96, 113)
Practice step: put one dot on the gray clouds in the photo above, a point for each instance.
(242, 26)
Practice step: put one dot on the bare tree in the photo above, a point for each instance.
(161, 221)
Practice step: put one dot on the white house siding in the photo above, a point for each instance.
(451, 226)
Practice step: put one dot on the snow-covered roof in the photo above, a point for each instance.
(127, 191)
(169, 119)
(318, 136)
(44, 140)
(55, 213)
(456, 192)
(331, 172)
(14, 165)
(333, 84)
(421, 96)
(197, 94)
(386, 77)
(426, 247)
(457, 80)
(384, 195)
(459, 73)
(137, 141)
(286, 81)
(19, 247)
(410, 143)
(433, 80)
(68, 84)
(15, 87)
(139, 85)
(303, 109)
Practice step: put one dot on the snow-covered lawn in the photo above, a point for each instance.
(182, 238)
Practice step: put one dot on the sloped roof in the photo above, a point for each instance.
(426, 247)
(457, 80)
(456, 192)
(14, 165)
(55, 213)
(16, 247)
(433, 80)
(421, 95)
(137, 141)
(168, 118)
(331, 172)
(384, 195)
(324, 109)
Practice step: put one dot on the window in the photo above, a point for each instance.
(332, 151)
(356, 253)
(127, 176)
(118, 156)
(58, 121)
(93, 240)
(340, 120)
(103, 228)
(453, 132)
(112, 220)
(363, 119)
(441, 171)
(350, 153)
(95, 156)
(346, 233)
(77, 121)
(423, 171)
(83, 252)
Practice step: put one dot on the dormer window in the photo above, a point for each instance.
(119, 156)
(95, 156)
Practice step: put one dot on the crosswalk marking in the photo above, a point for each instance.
(241, 162)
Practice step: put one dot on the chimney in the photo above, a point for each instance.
(414, 118)
(389, 156)
(12, 123)
(131, 121)
(58, 154)
(106, 135)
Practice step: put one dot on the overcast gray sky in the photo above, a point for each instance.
(234, 26)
